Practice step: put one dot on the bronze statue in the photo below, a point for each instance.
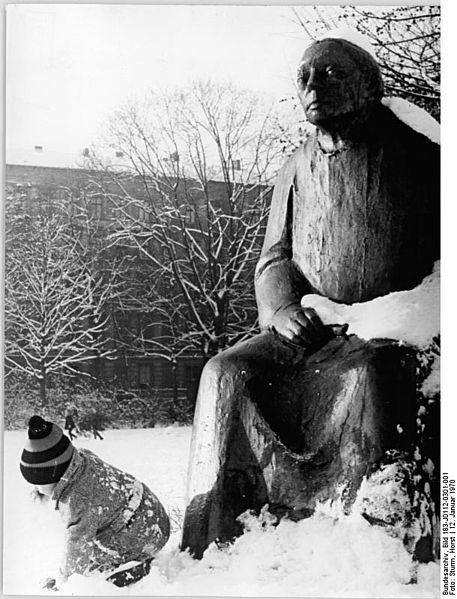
(302, 412)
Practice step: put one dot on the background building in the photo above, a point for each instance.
(144, 366)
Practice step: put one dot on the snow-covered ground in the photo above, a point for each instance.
(324, 556)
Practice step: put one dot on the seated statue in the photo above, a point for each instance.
(302, 412)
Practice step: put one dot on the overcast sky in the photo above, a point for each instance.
(69, 66)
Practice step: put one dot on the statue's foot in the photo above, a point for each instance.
(195, 530)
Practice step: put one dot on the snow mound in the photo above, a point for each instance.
(411, 317)
(321, 556)
(415, 117)
(351, 35)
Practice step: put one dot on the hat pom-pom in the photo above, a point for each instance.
(38, 427)
(36, 423)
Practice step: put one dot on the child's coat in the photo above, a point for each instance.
(110, 517)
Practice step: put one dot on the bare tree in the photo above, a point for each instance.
(54, 303)
(88, 220)
(192, 209)
(406, 40)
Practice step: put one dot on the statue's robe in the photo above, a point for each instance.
(285, 425)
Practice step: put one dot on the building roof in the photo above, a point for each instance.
(41, 156)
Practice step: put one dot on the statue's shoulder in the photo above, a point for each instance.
(293, 162)
(409, 131)
(417, 120)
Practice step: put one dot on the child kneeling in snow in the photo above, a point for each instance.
(110, 517)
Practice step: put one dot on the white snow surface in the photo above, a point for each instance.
(411, 316)
(351, 35)
(327, 555)
(414, 116)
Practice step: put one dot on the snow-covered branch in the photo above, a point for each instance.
(192, 213)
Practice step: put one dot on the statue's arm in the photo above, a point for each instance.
(279, 284)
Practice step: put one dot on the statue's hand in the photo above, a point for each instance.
(299, 325)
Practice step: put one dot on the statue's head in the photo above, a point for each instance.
(337, 79)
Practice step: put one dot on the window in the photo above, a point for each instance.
(108, 369)
(144, 375)
(96, 207)
(189, 214)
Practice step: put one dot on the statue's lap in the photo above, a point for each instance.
(308, 397)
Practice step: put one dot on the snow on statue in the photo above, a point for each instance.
(411, 316)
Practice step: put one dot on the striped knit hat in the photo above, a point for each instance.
(47, 453)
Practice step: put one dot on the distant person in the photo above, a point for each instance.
(111, 518)
(93, 421)
(70, 424)
(97, 422)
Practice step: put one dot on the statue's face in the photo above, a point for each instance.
(331, 82)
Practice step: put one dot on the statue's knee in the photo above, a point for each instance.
(217, 368)
(221, 372)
